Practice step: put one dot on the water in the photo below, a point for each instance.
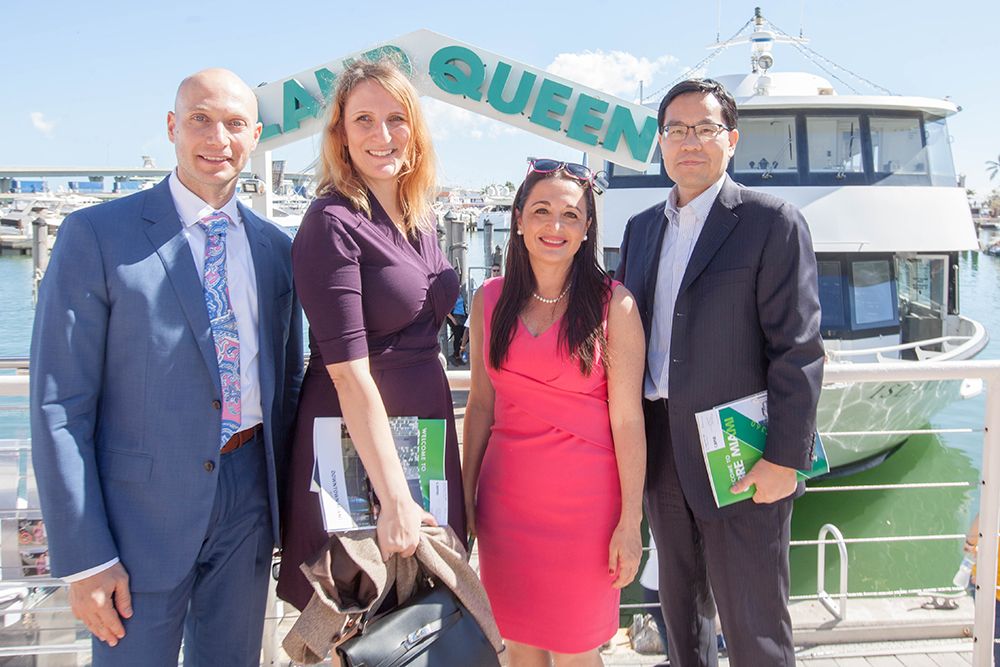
(873, 567)
(16, 311)
(925, 458)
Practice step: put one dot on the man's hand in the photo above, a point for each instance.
(101, 601)
(773, 482)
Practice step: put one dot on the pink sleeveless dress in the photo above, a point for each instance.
(549, 497)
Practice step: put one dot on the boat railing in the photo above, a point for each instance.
(41, 636)
(918, 345)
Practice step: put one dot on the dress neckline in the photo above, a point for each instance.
(414, 245)
(555, 324)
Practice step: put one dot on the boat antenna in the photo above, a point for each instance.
(718, 20)
(757, 23)
(717, 48)
(828, 65)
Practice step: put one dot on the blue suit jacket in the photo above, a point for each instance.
(746, 319)
(124, 379)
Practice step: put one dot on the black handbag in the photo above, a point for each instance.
(431, 629)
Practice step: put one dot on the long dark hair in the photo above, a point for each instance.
(582, 335)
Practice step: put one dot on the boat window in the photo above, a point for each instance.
(612, 258)
(653, 177)
(897, 148)
(831, 296)
(942, 165)
(652, 169)
(924, 281)
(835, 145)
(873, 294)
(766, 145)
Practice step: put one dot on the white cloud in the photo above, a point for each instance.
(44, 126)
(616, 72)
(448, 121)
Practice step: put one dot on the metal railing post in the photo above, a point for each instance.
(841, 611)
(270, 642)
(989, 506)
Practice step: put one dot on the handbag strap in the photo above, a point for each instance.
(390, 579)
(419, 636)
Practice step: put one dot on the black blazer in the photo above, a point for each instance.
(747, 319)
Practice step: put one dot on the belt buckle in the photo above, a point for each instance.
(240, 438)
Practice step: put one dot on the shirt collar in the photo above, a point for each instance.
(700, 205)
(191, 208)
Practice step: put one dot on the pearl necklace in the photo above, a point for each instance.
(551, 301)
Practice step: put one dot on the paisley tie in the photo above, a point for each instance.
(222, 320)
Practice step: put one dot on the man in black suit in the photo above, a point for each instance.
(725, 280)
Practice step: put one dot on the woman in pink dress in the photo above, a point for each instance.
(554, 447)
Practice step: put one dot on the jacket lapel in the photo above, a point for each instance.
(720, 223)
(175, 253)
(651, 261)
(260, 251)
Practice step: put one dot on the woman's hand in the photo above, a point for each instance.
(624, 553)
(398, 527)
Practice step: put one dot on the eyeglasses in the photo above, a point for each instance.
(578, 171)
(705, 132)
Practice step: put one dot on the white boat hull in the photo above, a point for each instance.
(860, 421)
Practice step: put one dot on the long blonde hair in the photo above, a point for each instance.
(416, 180)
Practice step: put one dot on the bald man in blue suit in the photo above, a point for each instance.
(165, 364)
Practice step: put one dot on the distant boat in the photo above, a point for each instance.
(21, 210)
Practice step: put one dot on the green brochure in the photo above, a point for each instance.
(345, 493)
(733, 436)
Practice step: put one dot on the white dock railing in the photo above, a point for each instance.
(989, 483)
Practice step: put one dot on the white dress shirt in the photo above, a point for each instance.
(242, 283)
(684, 226)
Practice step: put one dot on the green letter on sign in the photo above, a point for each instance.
(446, 71)
(393, 54)
(583, 120)
(640, 142)
(548, 102)
(325, 78)
(499, 82)
(268, 131)
(299, 105)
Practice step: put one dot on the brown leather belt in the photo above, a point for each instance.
(241, 438)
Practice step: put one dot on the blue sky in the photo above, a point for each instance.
(90, 83)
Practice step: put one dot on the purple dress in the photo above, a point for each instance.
(367, 291)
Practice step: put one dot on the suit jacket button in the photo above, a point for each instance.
(209, 466)
(217, 405)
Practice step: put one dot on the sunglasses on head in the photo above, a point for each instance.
(578, 171)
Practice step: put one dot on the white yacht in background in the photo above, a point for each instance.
(19, 211)
(875, 179)
(498, 201)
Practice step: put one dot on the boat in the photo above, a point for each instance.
(21, 210)
(874, 177)
(993, 249)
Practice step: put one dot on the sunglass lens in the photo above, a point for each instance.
(578, 170)
(545, 165)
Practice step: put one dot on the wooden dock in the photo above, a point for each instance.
(15, 245)
(953, 653)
